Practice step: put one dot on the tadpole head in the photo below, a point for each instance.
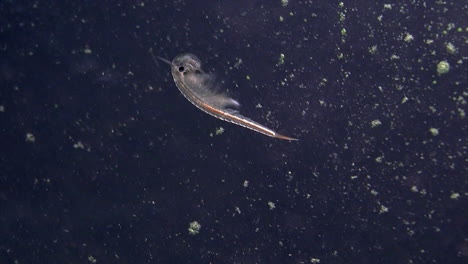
(188, 61)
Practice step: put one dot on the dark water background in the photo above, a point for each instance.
(103, 161)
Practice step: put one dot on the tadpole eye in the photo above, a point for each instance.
(181, 69)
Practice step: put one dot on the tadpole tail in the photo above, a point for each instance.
(160, 58)
(285, 137)
(164, 60)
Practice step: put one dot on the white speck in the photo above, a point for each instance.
(461, 112)
(2, 108)
(343, 32)
(451, 48)
(246, 184)
(219, 131)
(30, 137)
(414, 188)
(383, 209)
(376, 123)
(434, 131)
(78, 145)
(314, 260)
(408, 37)
(271, 205)
(373, 49)
(374, 192)
(455, 196)
(379, 159)
(194, 228)
(92, 259)
(238, 63)
(281, 59)
(87, 51)
(443, 67)
(284, 3)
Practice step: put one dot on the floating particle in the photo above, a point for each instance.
(281, 59)
(408, 37)
(451, 48)
(342, 17)
(92, 259)
(383, 209)
(194, 228)
(373, 49)
(271, 205)
(78, 145)
(87, 50)
(443, 67)
(434, 131)
(379, 159)
(376, 123)
(238, 63)
(219, 131)
(455, 196)
(284, 3)
(30, 137)
(461, 112)
(343, 32)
